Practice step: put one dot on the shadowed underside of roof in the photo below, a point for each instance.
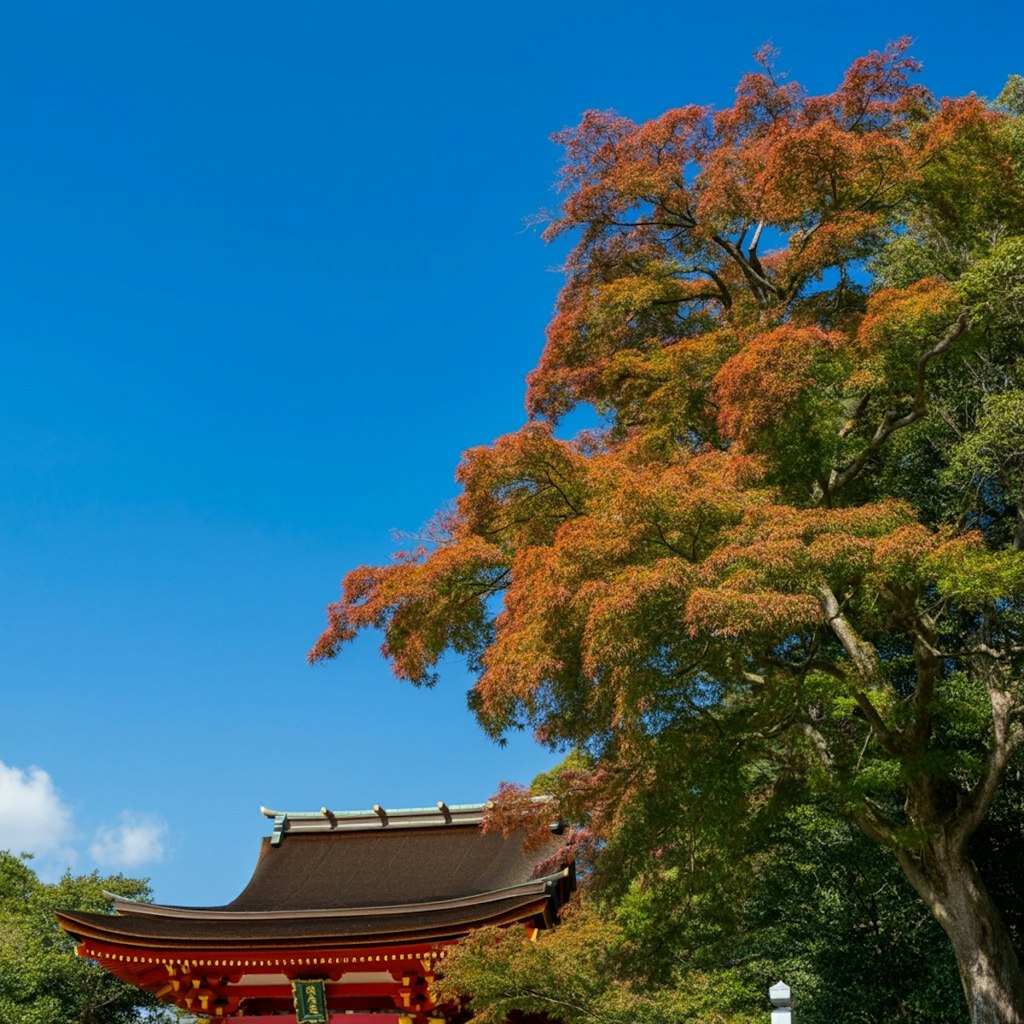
(415, 926)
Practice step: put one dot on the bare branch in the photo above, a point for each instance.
(1007, 739)
(752, 248)
(762, 289)
(875, 824)
(868, 665)
(818, 742)
(847, 428)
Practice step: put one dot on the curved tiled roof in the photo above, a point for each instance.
(353, 879)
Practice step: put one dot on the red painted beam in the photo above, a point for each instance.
(334, 991)
(335, 1018)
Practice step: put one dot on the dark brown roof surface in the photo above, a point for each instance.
(385, 868)
(381, 882)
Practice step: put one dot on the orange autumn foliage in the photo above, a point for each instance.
(758, 552)
(732, 403)
(757, 386)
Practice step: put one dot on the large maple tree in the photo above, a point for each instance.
(796, 540)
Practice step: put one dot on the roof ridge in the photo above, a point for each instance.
(326, 820)
(377, 810)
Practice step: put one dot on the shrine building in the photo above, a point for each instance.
(347, 919)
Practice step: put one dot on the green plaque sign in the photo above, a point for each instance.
(310, 1001)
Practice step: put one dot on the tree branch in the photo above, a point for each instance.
(867, 663)
(761, 287)
(818, 742)
(579, 1008)
(1007, 739)
(874, 824)
(927, 663)
(892, 421)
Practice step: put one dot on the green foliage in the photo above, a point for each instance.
(987, 465)
(801, 895)
(685, 933)
(41, 979)
(833, 915)
(993, 286)
(580, 973)
(1011, 99)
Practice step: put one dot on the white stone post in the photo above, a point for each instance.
(782, 1003)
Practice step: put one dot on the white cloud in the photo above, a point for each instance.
(139, 839)
(33, 819)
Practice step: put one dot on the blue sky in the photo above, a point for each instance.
(265, 276)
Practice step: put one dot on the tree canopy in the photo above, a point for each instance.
(686, 939)
(41, 979)
(791, 555)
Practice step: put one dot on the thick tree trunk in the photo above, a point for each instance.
(947, 880)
